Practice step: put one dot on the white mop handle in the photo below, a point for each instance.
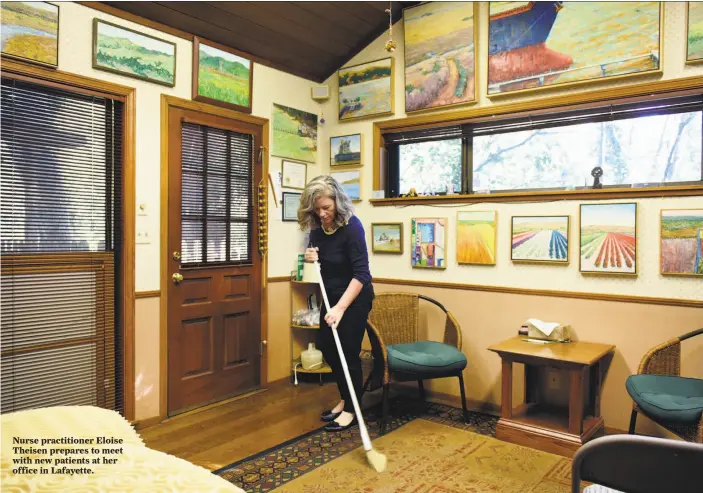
(362, 426)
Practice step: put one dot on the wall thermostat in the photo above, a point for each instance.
(320, 93)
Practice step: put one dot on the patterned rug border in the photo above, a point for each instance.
(272, 468)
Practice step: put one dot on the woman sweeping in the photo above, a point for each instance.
(338, 241)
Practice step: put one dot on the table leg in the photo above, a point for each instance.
(576, 401)
(507, 390)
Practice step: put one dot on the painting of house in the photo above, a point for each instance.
(345, 150)
(428, 242)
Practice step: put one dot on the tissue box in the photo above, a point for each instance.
(561, 333)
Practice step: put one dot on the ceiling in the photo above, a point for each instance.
(308, 39)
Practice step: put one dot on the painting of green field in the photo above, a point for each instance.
(439, 55)
(223, 76)
(476, 237)
(30, 31)
(133, 54)
(533, 45)
(681, 242)
(294, 134)
(366, 89)
(387, 237)
(694, 51)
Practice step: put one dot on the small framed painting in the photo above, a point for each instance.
(694, 32)
(350, 181)
(476, 234)
(366, 90)
(681, 242)
(387, 237)
(30, 32)
(540, 239)
(221, 76)
(608, 239)
(291, 203)
(133, 54)
(345, 150)
(294, 134)
(294, 175)
(428, 242)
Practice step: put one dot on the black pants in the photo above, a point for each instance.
(351, 330)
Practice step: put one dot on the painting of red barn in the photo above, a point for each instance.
(534, 46)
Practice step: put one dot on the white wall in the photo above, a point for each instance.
(648, 282)
(270, 85)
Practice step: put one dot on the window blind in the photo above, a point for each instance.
(61, 234)
(217, 215)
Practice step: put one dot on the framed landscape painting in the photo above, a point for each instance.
(681, 247)
(133, 54)
(428, 242)
(345, 150)
(387, 237)
(476, 234)
(221, 77)
(694, 32)
(540, 239)
(366, 90)
(294, 134)
(30, 32)
(537, 45)
(440, 55)
(608, 239)
(350, 182)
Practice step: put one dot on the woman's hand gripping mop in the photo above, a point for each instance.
(376, 459)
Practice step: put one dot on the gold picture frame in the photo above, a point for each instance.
(542, 237)
(593, 248)
(294, 174)
(357, 100)
(425, 58)
(479, 252)
(389, 249)
(416, 252)
(691, 61)
(352, 162)
(38, 46)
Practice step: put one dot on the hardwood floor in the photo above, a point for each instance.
(229, 432)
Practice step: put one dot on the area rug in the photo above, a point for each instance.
(429, 449)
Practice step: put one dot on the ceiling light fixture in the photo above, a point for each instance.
(390, 44)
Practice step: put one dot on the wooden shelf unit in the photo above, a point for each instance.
(301, 335)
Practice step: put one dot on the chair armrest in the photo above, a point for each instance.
(452, 332)
(379, 352)
(664, 359)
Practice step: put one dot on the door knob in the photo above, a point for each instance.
(176, 255)
(177, 277)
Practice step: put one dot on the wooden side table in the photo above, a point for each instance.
(544, 427)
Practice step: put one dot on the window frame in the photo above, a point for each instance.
(691, 86)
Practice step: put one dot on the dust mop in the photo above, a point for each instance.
(376, 459)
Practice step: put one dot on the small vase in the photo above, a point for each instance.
(311, 358)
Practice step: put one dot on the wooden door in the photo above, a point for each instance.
(214, 274)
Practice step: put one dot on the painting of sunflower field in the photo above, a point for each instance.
(608, 238)
(30, 31)
(476, 237)
(682, 242)
(540, 239)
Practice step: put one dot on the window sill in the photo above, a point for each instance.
(546, 196)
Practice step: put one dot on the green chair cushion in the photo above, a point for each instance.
(429, 359)
(668, 399)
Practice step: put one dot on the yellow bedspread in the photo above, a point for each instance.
(87, 449)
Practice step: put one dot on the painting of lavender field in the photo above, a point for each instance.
(439, 55)
(30, 31)
(608, 238)
(540, 239)
(533, 45)
(681, 242)
(366, 90)
(694, 50)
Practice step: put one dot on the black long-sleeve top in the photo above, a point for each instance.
(343, 256)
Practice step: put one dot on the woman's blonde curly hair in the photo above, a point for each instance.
(323, 186)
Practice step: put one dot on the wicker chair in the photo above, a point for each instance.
(398, 354)
(660, 369)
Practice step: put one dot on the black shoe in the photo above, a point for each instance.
(334, 426)
(328, 415)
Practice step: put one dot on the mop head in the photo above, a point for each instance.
(377, 460)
